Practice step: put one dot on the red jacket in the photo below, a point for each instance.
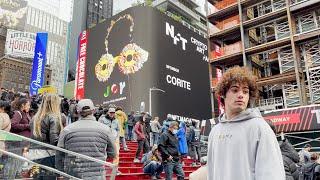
(20, 124)
(139, 130)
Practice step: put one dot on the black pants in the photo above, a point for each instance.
(44, 174)
(142, 144)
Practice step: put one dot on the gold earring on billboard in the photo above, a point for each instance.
(130, 60)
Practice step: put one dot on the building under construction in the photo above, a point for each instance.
(278, 39)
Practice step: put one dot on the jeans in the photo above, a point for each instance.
(153, 168)
(195, 152)
(171, 167)
(154, 138)
(142, 144)
(130, 134)
(123, 142)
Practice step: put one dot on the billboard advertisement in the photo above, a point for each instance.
(13, 13)
(39, 62)
(141, 59)
(20, 44)
(305, 118)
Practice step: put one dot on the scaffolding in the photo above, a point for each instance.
(286, 61)
(313, 75)
(291, 95)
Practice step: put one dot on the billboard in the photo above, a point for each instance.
(20, 44)
(13, 13)
(305, 118)
(39, 62)
(143, 59)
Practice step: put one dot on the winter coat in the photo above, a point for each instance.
(290, 159)
(139, 129)
(183, 146)
(155, 126)
(168, 146)
(50, 130)
(20, 123)
(91, 138)
(112, 123)
(122, 119)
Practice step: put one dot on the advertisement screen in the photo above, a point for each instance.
(143, 60)
(13, 14)
(20, 44)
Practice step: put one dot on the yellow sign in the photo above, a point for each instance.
(48, 89)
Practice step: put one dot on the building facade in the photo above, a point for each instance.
(85, 15)
(279, 40)
(15, 74)
(188, 11)
(57, 29)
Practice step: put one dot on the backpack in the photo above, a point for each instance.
(307, 172)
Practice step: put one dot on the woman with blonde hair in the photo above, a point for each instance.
(46, 126)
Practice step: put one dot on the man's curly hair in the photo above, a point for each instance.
(241, 75)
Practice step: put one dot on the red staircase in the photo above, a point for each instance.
(134, 171)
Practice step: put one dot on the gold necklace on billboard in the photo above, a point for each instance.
(130, 60)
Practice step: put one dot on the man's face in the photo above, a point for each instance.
(111, 114)
(237, 98)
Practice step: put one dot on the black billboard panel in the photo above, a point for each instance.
(142, 54)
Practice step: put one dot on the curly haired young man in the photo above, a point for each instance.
(242, 145)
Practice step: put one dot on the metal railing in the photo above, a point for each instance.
(7, 138)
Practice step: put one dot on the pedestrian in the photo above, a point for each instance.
(155, 131)
(110, 120)
(88, 137)
(168, 147)
(242, 145)
(305, 155)
(193, 141)
(131, 123)
(181, 134)
(5, 123)
(20, 122)
(139, 129)
(46, 126)
(122, 119)
(152, 163)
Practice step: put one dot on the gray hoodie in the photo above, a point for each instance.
(244, 148)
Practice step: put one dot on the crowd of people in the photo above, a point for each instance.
(95, 131)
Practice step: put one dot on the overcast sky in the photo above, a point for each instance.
(120, 5)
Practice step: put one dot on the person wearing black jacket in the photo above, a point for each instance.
(168, 147)
(290, 159)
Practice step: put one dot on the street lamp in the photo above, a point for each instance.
(150, 101)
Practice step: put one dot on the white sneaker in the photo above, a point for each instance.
(136, 160)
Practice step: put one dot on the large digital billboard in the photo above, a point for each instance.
(140, 56)
(13, 13)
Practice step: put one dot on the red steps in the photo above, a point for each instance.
(143, 176)
(134, 171)
(140, 169)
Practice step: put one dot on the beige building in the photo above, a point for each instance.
(16, 74)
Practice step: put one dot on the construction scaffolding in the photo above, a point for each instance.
(280, 42)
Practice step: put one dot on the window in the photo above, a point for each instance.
(54, 26)
(32, 17)
(40, 19)
(36, 23)
(51, 24)
(28, 15)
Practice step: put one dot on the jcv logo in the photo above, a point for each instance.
(176, 38)
(114, 89)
